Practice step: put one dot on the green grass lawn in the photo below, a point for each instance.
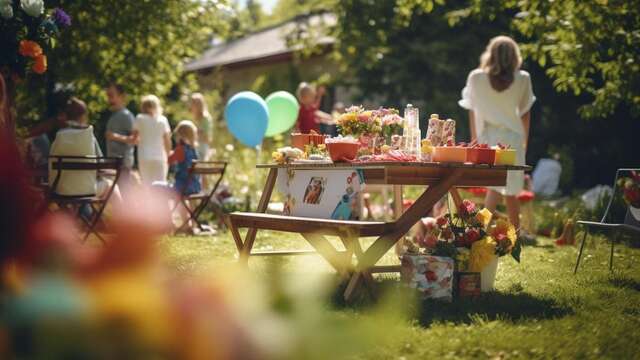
(540, 309)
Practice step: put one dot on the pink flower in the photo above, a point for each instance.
(467, 207)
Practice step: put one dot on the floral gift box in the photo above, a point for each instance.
(431, 275)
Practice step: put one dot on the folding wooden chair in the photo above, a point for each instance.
(74, 203)
(630, 226)
(203, 198)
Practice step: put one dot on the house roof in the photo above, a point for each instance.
(263, 44)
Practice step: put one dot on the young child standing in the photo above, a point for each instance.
(309, 115)
(154, 140)
(183, 156)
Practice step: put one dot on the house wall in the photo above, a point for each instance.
(269, 76)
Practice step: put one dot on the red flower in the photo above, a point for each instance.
(40, 64)
(471, 236)
(441, 221)
(467, 207)
(431, 276)
(430, 241)
(30, 49)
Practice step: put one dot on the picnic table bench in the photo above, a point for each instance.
(438, 179)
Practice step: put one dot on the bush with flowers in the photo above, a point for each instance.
(469, 236)
(27, 32)
(631, 189)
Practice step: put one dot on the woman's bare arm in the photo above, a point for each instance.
(472, 126)
(167, 142)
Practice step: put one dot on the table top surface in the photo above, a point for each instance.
(389, 164)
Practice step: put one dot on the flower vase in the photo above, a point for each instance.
(488, 275)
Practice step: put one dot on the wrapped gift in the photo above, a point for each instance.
(431, 275)
(467, 284)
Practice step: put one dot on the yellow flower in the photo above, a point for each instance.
(484, 217)
(385, 149)
(322, 146)
(347, 117)
(504, 228)
(482, 253)
(277, 156)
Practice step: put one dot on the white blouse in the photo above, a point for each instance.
(152, 131)
(502, 109)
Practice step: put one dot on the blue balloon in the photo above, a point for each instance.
(247, 117)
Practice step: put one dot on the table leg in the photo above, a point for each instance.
(365, 274)
(247, 245)
(397, 201)
(328, 252)
(426, 201)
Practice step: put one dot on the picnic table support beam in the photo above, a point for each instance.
(262, 208)
(426, 201)
(335, 258)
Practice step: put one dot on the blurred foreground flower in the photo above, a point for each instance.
(32, 7)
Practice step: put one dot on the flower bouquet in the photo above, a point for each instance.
(360, 123)
(470, 237)
(391, 121)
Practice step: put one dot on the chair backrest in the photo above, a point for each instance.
(209, 167)
(85, 164)
(632, 216)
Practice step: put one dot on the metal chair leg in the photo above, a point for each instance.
(613, 242)
(584, 240)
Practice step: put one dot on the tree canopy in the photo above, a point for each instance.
(586, 47)
(140, 44)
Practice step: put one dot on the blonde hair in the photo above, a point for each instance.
(198, 100)
(186, 131)
(501, 59)
(304, 88)
(150, 104)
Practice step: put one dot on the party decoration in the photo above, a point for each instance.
(283, 112)
(247, 117)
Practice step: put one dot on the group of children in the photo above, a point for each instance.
(149, 131)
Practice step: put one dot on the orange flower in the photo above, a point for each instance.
(40, 65)
(30, 49)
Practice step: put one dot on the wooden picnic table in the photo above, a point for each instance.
(438, 179)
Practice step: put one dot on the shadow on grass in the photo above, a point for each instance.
(512, 306)
(491, 306)
(625, 282)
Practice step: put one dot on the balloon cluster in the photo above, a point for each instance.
(250, 118)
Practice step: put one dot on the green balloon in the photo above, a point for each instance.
(283, 112)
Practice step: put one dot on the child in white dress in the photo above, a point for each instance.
(154, 141)
(499, 97)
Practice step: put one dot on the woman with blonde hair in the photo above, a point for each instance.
(204, 121)
(499, 96)
(153, 133)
